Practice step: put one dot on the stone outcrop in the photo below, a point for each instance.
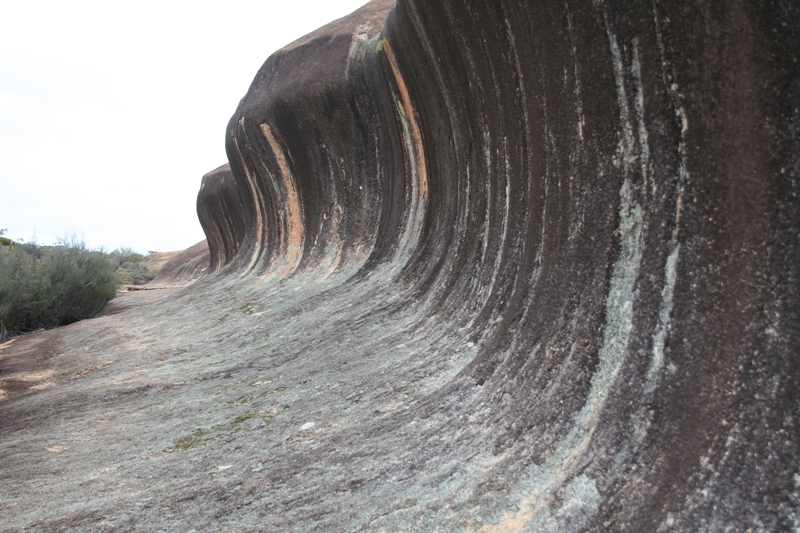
(186, 266)
(599, 200)
(479, 266)
(220, 210)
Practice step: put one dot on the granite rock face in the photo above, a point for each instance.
(185, 267)
(590, 210)
(219, 210)
(480, 266)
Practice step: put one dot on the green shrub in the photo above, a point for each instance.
(5, 241)
(126, 255)
(131, 273)
(129, 270)
(50, 286)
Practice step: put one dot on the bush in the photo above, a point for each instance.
(5, 241)
(50, 286)
(126, 255)
(134, 274)
(129, 269)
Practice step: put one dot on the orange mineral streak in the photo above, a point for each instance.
(293, 219)
(422, 168)
(261, 230)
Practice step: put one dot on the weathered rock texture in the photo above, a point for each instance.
(480, 266)
(155, 261)
(219, 205)
(186, 266)
(599, 199)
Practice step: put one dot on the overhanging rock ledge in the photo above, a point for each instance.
(477, 266)
(584, 216)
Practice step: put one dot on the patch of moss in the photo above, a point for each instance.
(201, 437)
(235, 425)
(248, 309)
(242, 400)
(198, 438)
(273, 391)
(245, 416)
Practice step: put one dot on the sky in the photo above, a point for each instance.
(111, 112)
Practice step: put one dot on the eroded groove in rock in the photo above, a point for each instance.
(495, 266)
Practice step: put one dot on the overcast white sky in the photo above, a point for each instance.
(111, 112)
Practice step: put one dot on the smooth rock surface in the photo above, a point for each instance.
(479, 266)
(219, 210)
(186, 266)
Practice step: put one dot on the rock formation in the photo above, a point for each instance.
(478, 266)
(219, 210)
(186, 266)
(592, 207)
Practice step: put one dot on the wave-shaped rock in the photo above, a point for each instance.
(598, 202)
(221, 214)
(478, 266)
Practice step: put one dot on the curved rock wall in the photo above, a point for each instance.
(587, 211)
(221, 214)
